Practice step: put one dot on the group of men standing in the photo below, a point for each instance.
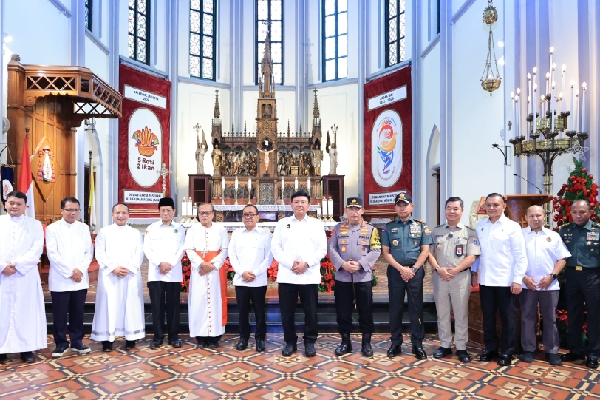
(503, 258)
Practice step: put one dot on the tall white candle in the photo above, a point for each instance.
(189, 206)
(318, 212)
(308, 185)
(330, 206)
(552, 107)
(517, 123)
(296, 184)
(194, 209)
(528, 93)
(534, 101)
(547, 82)
(184, 207)
(512, 96)
(563, 87)
(584, 87)
(223, 183)
(577, 111)
(249, 186)
(572, 107)
(550, 66)
(236, 183)
(282, 187)
(324, 206)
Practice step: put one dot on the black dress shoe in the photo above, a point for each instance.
(260, 345)
(527, 357)
(242, 344)
(155, 344)
(505, 360)
(309, 350)
(488, 355)
(107, 346)
(129, 344)
(343, 348)
(213, 345)
(572, 357)
(463, 356)
(176, 343)
(28, 357)
(366, 349)
(442, 352)
(592, 362)
(3, 358)
(419, 353)
(289, 349)
(553, 359)
(394, 350)
(202, 343)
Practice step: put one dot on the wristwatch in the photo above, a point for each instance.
(554, 276)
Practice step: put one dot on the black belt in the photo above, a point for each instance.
(579, 268)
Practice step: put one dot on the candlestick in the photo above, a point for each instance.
(534, 101)
(249, 189)
(577, 111)
(330, 209)
(528, 93)
(550, 66)
(584, 87)
(564, 68)
(318, 212)
(552, 107)
(183, 208)
(324, 207)
(194, 211)
(517, 127)
(236, 182)
(223, 190)
(512, 96)
(572, 107)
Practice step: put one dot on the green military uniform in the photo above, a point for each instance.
(583, 285)
(404, 239)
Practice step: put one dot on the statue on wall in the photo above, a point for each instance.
(316, 158)
(202, 148)
(333, 159)
(217, 159)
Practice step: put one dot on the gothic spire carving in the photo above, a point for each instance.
(217, 112)
(316, 113)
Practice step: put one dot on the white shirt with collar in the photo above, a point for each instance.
(303, 240)
(164, 243)
(503, 260)
(250, 251)
(544, 249)
(68, 246)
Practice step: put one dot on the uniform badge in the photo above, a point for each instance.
(427, 231)
(593, 235)
(438, 247)
(589, 243)
(476, 242)
(459, 250)
(175, 230)
(395, 242)
(414, 229)
(343, 241)
(549, 239)
(416, 242)
(343, 248)
(288, 226)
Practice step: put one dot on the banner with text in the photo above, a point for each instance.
(144, 140)
(388, 138)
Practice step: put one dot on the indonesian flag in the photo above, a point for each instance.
(25, 183)
(92, 200)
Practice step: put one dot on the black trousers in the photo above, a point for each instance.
(414, 293)
(165, 296)
(288, 299)
(71, 303)
(498, 298)
(345, 294)
(243, 296)
(583, 287)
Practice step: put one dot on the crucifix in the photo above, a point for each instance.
(164, 172)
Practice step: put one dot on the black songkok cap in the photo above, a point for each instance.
(166, 202)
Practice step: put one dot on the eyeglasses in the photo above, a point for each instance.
(71, 210)
(249, 215)
(205, 212)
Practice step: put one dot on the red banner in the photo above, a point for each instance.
(387, 138)
(144, 141)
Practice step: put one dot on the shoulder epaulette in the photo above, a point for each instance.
(565, 225)
(423, 222)
(439, 226)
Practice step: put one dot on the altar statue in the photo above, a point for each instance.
(333, 162)
(217, 157)
(316, 158)
(200, 152)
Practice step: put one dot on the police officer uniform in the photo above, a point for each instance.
(583, 286)
(404, 240)
(451, 245)
(360, 243)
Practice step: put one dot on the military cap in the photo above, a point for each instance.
(403, 197)
(354, 202)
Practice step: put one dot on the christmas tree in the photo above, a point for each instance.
(580, 185)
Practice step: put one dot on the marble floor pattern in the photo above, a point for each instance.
(225, 373)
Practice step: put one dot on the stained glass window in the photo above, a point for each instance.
(269, 16)
(88, 14)
(203, 34)
(394, 31)
(335, 39)
(139, 30)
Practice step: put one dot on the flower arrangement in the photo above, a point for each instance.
(327, 275)
(187, 273)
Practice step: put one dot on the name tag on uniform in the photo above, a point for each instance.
(394, 230)
(459, 250)
(593, 235)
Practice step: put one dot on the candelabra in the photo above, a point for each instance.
(547, 127)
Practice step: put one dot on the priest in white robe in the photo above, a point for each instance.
(119, 299)
(69, 248)
(22, 315)
(206, 246)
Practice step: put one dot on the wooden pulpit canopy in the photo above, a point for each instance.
(517, 205)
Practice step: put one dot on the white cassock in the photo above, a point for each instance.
(22, 315)
(119, 301)
(204, 296)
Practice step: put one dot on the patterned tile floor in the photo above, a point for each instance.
(189, 373)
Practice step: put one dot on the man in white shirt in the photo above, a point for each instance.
(250, 256)
(206, 247)
(501, 270)
(299, 243)
(69, 249)
(119, 299)
(163, 246)
(546, 257)
(23, 318)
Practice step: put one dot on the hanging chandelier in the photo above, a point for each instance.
(490, 80)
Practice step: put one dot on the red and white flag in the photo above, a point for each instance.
(25, 183)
